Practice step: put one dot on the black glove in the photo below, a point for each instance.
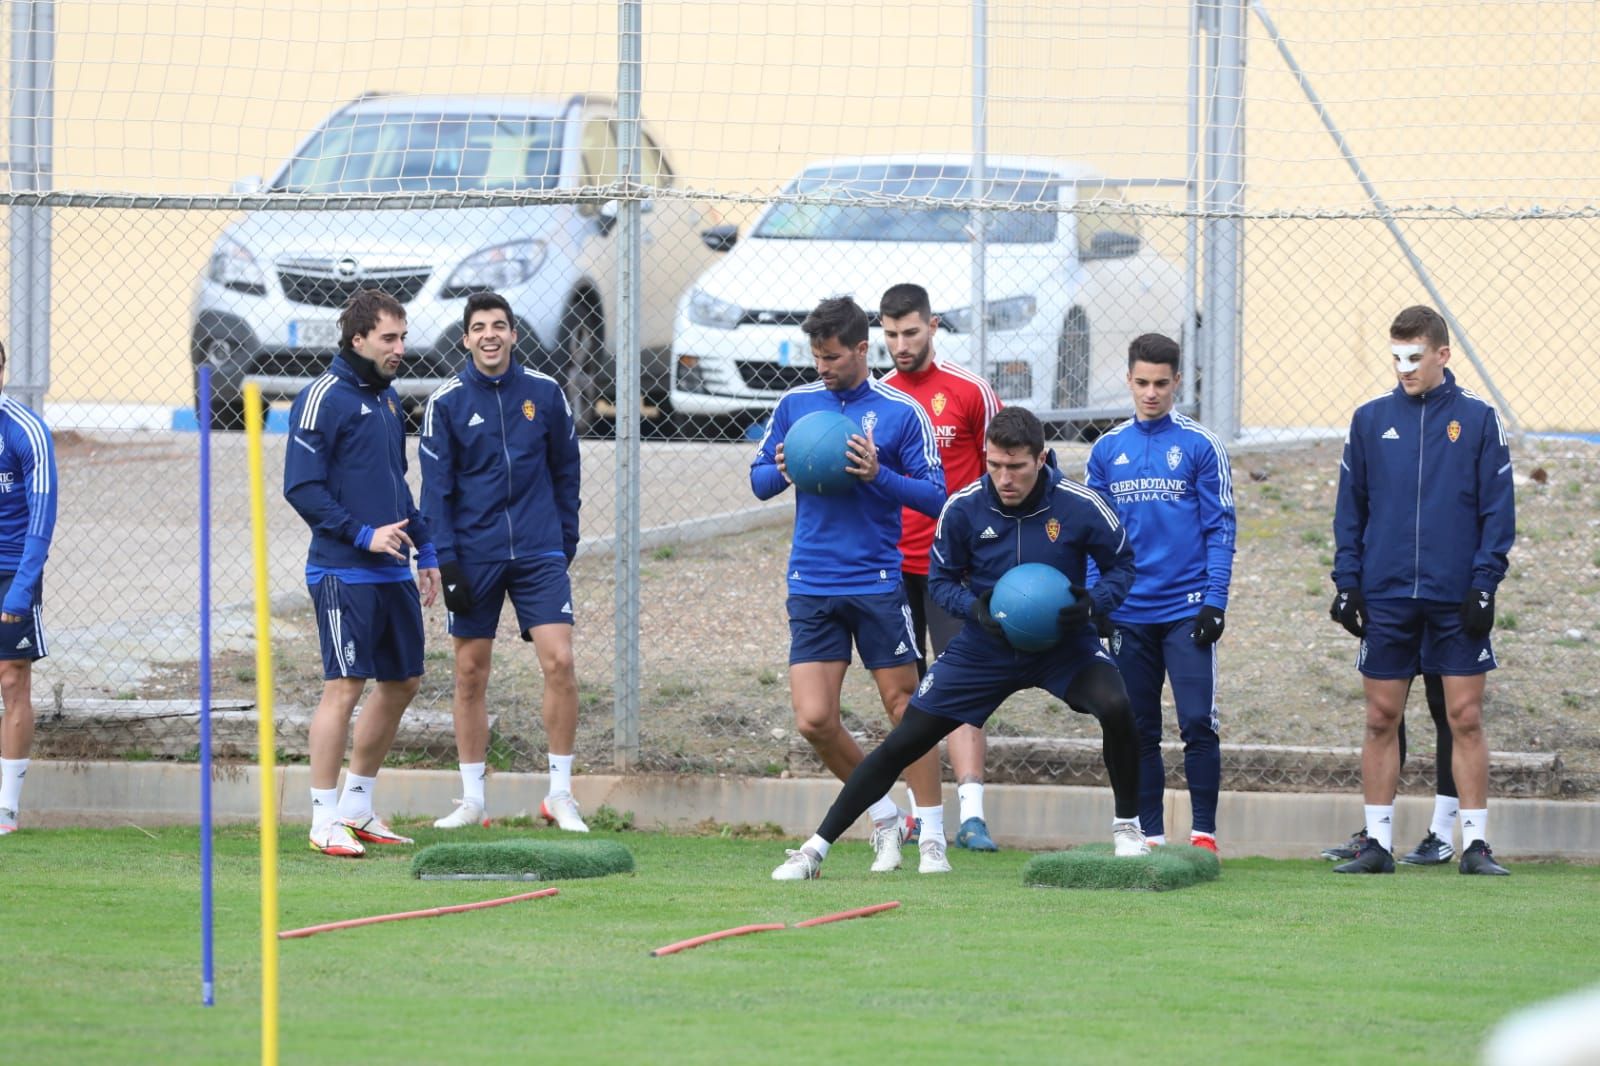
(457, 593)
(981, 615)
(1208, 626)
(1477, 613)
(1080, 612)
(1350, 611)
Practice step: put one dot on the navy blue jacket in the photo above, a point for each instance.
(1426, 508)
(978, 539)
(500, 467)
(849, 545)
(344, 471)
(27, 502)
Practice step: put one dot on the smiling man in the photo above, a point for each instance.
(500, 477)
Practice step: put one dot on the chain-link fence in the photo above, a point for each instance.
(1269, 184)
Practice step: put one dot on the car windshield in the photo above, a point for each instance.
(400, 152)
(844, 221)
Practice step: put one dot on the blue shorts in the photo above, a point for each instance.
(24, 639)
(821, 628)
(1410, 637)
(978, 672)
(369, 631)
(541, 594)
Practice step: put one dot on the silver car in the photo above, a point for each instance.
(268, 302)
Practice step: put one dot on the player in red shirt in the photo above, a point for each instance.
(960, 404)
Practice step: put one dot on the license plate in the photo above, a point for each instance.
(314, 334)
(794, 352)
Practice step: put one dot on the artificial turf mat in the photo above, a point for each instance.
(1168, 867)
(549, 860)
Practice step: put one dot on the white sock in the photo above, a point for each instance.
(356, 800)
(1125, 821)
(12, 771)
(1444, 817)
(472, 774)
(885, 810)
(1159, 839)
(560, 773)
(324, 807)
(911, 799)
(1195, 834)
(932, 822)
(1474, 827)
(1380, 824)
(817, 845)
(971, 797)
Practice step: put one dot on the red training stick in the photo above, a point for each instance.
(694, 942)
(859, 912)
(431, 912)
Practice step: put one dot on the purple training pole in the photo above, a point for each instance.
(208, 994)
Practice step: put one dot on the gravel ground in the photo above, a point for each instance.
(714, 639)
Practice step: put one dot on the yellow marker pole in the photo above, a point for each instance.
(266, 737)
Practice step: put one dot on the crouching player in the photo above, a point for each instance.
(1021, 511)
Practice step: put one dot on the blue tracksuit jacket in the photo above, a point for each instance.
(344, 471)
(1068, 524)
(1426, 507)
(849, 545)
(27, 502)
(1173, 489)
(500, 467)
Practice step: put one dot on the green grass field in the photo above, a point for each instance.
(1276, 962)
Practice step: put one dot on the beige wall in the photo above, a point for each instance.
(1439, 99)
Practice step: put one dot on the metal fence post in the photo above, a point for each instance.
(32, 139)
(627, 682)
(1224, 227)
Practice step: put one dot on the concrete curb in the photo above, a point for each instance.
(1275, 824)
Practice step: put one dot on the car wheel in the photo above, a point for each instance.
(583, 350)
(227, 383)
(1072, 362)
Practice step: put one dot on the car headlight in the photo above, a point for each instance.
(233, 267)
(495, 268)
(707, 310)
(1013, 313)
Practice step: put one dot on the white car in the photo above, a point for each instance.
(1066, 292)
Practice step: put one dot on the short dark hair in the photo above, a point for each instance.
(1016, 427)
(360, 315)
(838, 317)
(905, 299)
(1420, 321)
(1154, 348)
(486, 301)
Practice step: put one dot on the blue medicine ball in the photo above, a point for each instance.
(1027, 602)
(814, 452)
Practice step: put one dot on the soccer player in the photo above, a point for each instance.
(1424, 523)
(1437, 848)
(959, 403)
(1173, 488)
(27, 522)
(1022, 511)
(344, 472)
(844, 565)
(500, 473)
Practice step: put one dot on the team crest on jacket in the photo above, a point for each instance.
(1052, 529)
(868, 420)
(527, 410)
(392, 410)
(1453, 431)
(1174, 457)
(939, 402)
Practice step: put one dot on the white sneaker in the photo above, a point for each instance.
(374, 830)
(466, 813)
(886, 846)
(560, 809)
(933, 857)
(336, 839)
(1129, 840)
(801, 865)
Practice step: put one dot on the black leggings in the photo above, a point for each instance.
(1097, 690)
(1443, 773)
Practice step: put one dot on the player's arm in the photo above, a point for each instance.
(305, 478)
(416, 526)
(1218, 522)
(566, 473)
(767, 479)
(1497, 511)
(39, 479)
(1094, 471)
(921, 487)
(1350, 511)
(1106, 544)
(436, 449)
(949, 561)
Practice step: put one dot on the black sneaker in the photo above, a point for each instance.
(1431, 852)
(1349, 849)
(1478, 859)
(1374, 858)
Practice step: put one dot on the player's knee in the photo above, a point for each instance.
(817, 728)
(559, 666)
(408, 687)
(1466, 723)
